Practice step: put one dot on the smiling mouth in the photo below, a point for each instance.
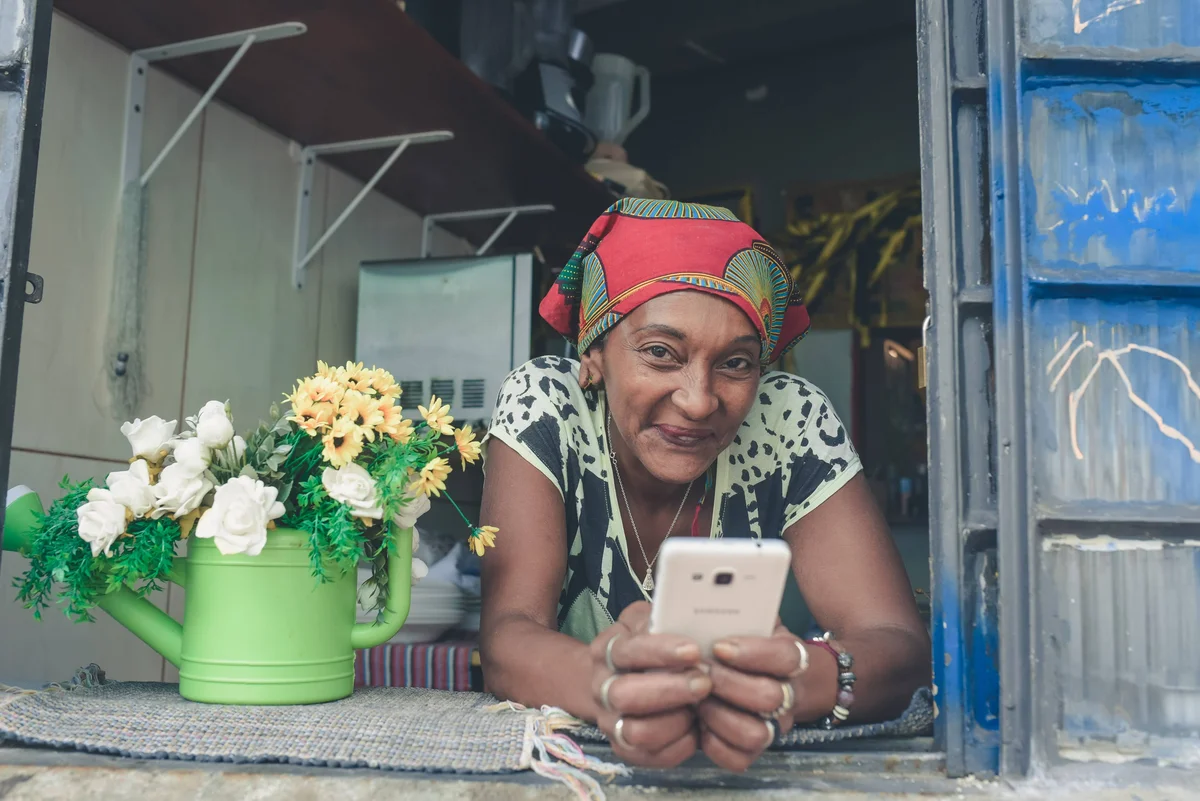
(684, 437)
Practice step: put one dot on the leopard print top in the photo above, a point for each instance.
(791, 455)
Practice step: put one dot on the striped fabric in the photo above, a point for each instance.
(434, 666)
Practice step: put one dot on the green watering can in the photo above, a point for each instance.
(256, 629)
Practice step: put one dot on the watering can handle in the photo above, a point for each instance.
(643, 78)
(368, 635)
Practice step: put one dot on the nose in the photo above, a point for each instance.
(695, 397)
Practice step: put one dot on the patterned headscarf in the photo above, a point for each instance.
(640, 249)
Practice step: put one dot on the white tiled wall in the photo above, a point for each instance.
(222, 319)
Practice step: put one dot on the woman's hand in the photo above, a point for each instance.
(750, 705)
(647, 704)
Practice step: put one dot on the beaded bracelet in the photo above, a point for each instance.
(846, 679)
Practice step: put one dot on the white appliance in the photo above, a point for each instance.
(609, 108)
(447, 327)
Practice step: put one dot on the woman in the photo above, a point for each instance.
(669, 426)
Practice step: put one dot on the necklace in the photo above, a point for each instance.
(648, 581)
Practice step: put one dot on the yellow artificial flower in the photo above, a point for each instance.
(355, 376)
(309, 415)
(343, 443)
(320, 389)
(394, 424)
(384, 384)
(437, 415)
(327, 371)
(468, 447)
(432, 479)
(482, 538)
(363, 410)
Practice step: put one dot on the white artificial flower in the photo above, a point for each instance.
(418, 504)
(149, 437)
(101, 521)
(353, 486)
(193, 453)
(180, 489)
(213, 426)
(419, 569)
(132, 488)
(237, 521)
(239, 448)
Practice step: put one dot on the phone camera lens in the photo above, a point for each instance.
(723, 578)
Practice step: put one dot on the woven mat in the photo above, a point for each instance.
(377, 727)
(916, 721)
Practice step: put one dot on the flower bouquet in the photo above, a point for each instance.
(342, 464)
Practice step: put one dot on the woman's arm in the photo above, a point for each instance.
(851, 575)
(524, 656)
(525, 659)
(855, 585)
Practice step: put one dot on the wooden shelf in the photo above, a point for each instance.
(365, 69)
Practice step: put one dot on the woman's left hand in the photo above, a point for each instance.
(749, 706)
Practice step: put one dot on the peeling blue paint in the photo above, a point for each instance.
(1125, 24)
(1113, 174)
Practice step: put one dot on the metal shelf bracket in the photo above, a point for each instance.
(135, 96)
(509, 213)
(302, 254)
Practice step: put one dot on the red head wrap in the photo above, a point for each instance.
(640, 249)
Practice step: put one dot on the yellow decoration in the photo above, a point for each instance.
(395, 424)
(310, 416)
(364, 410)
(482, 538)
(437, 415)
(343, 442)
(468, 448)
(384, 384)
(432, 479)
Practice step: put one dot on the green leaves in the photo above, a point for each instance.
(59, 556)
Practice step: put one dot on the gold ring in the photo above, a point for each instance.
(619, 735)
(604, 689)
(608, 660)
(785, 706)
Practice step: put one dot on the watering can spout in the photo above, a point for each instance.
(21, 516)
(150, 624)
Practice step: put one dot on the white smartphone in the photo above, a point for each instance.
(710, 589)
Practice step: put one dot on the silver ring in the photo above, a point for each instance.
(619, 735)
(803, 666)
(604, 689)
(772, 732)
(608, 653)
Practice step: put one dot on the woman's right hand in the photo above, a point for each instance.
(649, 717)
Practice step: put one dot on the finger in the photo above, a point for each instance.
(648, 652)
(770, 656)
(636, 617)
(650, 734)
(677, 752)
(724, 755)
(651, 693)
(760, 695)
(739, 730)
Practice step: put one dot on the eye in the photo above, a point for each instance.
(738, 363)
(657, 352)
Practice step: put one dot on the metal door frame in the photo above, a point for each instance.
(25, 33)
(979, 516)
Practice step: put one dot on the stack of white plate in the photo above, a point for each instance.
(436, 607)
(470, 621)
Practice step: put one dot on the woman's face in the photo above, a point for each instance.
(681, 372)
